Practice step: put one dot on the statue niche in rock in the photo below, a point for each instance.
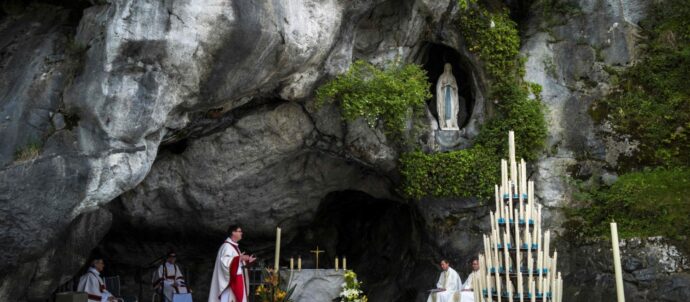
(447, 101)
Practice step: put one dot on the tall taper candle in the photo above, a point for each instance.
(547, 258)
(277, 261)
(529, 256)
(344, 263)
(511, 153)
(552, 270)
(534, 291)
(292, 264)
(336, 263)
(617, 263)
(510, 204)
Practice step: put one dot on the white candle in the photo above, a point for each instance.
(476, 291)
(511, 152)
(547, 284)
(542, 286)
(506, 217)
(277, 255)
(547, 258)
(540, 255)
(489, 288)
(299, 263)
(517, 244)
(506, 263)
(552, 271)
(498, 286)
(529, 256)
(479, 281)
(495, 252)
(510, 206)
(523, 177)
(530, 200)
(504, 176)
(521, 208)
(336, 263)
(617, 263)
(533, 291)
(488, 253)
(344, 263)
(560, 287)
(292, 264)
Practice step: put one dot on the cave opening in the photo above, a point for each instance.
(434, 57)
(382, 240)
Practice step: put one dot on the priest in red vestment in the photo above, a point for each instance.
(228, 282)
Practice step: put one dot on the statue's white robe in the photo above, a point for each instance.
(467, 294)
(92, 284)
(227, 262)
(450, 281)
(169, 276)
(447, 79)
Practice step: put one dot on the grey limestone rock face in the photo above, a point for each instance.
(568, 61)
(259, 167)
(653, 270)
(142, 67)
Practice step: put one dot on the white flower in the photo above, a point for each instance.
(492, 24)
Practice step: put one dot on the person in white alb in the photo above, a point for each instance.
(448, 285)
(229, 282)
(467, 290)
(93, 285)
(169, 278)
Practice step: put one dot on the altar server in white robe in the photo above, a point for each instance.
(449, 283)
(229, 282)
(467, 290)
(93, 285)
(169, 278)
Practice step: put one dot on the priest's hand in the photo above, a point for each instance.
(247, 258)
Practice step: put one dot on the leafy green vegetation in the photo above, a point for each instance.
(466, 173)
(494, 38)
(652, 101)
(647, 203)
(378, 95)
(472, 172)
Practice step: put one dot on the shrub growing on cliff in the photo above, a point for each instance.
(464, 173)
(28, 152)
(493, 37)
(647, 203)
(378, 95)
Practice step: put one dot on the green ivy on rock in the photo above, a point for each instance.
(646, 203)
(378, 95)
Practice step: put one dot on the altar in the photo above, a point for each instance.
(313, 285)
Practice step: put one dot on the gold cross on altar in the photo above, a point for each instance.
(317, 252)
